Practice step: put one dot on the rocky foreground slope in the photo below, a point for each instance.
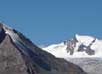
(18, 55)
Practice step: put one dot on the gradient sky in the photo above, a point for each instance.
(52, 21)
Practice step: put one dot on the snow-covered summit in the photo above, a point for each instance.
(86, 40)
(79, 46)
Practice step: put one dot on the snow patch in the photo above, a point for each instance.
(59, 50)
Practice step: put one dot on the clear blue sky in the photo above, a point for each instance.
(52, 21)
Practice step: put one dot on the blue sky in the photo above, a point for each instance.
(52, 21)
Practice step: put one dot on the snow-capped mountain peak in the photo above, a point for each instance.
(78, 46)
(86, 40)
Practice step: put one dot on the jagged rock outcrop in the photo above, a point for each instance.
(18, 55)
(71, 45)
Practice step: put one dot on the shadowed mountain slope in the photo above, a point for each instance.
(18, 55)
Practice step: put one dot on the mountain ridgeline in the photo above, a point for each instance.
(84, 51)
(18, 55)
(78, 46)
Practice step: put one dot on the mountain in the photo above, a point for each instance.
(78, 46)
(18, 55)
(84, 51)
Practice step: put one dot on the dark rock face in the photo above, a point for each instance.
(71, 44)
(11, 61)
(2, 33)
(27, 58)
(87, 49)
